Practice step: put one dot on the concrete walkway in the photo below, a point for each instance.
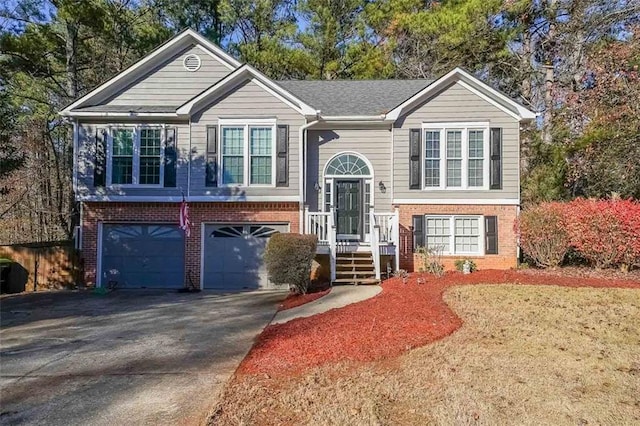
(338, 297)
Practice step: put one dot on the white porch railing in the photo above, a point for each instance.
(387, 223)
(333, 243)
(384, 230)
(374, 232)
(317, 223)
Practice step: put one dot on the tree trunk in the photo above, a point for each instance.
(547, 119)
(71, 45)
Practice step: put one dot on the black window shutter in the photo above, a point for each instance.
(170, 157)
(211, 176)
(418, 231)
(495, 170)
(100, 164)
(491, 234)
(282, 159)
(415, 147)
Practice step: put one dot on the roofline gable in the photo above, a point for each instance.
(177, 40)
(243, 73)
(471, 83)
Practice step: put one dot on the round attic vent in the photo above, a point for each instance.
(191, 62)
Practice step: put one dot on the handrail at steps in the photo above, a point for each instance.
(332, 242)
(375, 238)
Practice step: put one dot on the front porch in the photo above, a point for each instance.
(361, 257)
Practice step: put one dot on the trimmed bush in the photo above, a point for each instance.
(543, 235)
(605, 232)
(288, 258)
(459, 264)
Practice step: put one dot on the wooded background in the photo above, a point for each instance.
(575, 62)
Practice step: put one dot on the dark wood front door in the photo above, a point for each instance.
(349, 209)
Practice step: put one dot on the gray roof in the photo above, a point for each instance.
(353, 97)
(128, 108)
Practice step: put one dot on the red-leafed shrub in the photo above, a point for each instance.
(542, 232)
(605, 232)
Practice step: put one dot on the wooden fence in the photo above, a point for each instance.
(45, 266)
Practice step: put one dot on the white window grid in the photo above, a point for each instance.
(453, 158)
(452, 231)
(248, 152)
(136, 155)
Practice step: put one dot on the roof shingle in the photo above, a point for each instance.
(353, 97)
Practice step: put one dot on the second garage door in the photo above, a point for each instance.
(233, 256)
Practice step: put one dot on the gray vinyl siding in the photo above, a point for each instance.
(171, 84)
(85, 158)
(248, 100)
(374, 144)
(457, 104)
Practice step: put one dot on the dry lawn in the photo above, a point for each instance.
(526, 355)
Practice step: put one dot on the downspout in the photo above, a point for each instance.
(189, 163)
(392, 162)
(302, 133)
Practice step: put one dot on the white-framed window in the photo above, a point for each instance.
(135, 155)
(454, 156)
(455, 235)
(247, 152)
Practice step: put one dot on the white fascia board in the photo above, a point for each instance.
(457, 75)
(178, 198)
(460, 201)
(186, 108)
(227, 60)
(524, 113)
(106, 114)
(363, 118)
(247, 72)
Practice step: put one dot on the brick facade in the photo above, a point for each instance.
(94, 213)
(507, 247)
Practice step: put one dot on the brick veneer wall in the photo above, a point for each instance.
(93, 213)
(507, 245)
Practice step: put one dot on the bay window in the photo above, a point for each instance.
(461, 162)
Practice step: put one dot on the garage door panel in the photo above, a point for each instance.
(233, 256)
(143, 255)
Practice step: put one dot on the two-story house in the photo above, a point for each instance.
(373, 168)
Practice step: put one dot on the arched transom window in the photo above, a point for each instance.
(348, 164)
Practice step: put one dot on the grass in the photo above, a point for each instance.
(525, 355)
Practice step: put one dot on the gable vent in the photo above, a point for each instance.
(191, 62)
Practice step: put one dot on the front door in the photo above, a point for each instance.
(348, 209)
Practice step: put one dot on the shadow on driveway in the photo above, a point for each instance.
(122, 358)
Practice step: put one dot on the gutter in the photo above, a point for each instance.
(133, 114)
(351, 118)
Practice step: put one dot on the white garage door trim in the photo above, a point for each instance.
(99, 242)
(203, 225)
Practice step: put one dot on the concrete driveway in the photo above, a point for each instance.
(151, 357)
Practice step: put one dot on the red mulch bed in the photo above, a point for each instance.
(295, 300)
(401, 317)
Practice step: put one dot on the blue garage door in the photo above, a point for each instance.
(142, 256)
(233, 256)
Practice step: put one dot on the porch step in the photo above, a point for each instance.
(356, 281)
(354, 265)
(354, 255)
(355, 268)
(368, 273)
